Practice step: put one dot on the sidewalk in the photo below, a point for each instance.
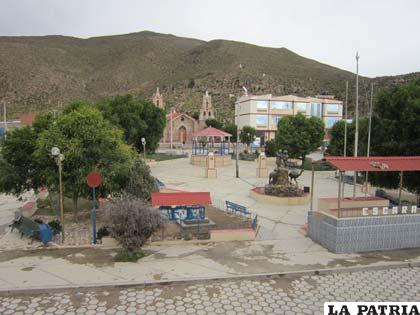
(67, 268)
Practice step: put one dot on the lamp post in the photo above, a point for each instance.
(59, 158)
(171, 125)
(237, 149)
(143, 142)
(356, 133)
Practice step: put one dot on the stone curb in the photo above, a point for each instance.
(272, 275)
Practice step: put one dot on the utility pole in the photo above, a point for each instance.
(237, 142)
(4, 118)
(369, 130)
(356, 133)
(172, 109)
(345, 128)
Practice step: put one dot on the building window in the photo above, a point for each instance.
(261, 120)
(301, 107)
(330, 121)
(316, 109)
(262, 105)
(281, 105)
(276, 119)
(332, 108)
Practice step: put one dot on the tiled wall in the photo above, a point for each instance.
(362, 234)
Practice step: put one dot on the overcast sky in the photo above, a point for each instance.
(385, 32)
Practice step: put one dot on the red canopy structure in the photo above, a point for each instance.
(211, 132)
(375, 163)
(180, 199)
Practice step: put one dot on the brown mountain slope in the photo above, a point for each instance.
(44, 73)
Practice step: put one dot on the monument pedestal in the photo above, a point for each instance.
(262, 172)
(262, 166)
(211, 173)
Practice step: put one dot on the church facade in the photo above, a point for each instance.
(181, 125)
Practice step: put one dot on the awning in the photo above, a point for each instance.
(180, 198)
(375, 163)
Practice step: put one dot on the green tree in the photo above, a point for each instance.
(140, 182)
(18, 169)
(247, 135)
(88, 142)
(214, 123)
(396, 132)
(270, 147)
(138, 118)
(232, 129)
(299, 135)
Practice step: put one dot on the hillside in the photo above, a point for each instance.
(44, 73)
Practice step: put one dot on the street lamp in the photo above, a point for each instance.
(143, 142)
(59, 158)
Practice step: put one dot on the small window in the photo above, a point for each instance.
(330, 121)
(301, 107)
(332, 108)
(281, 105)
(261, 120)
(262, 105)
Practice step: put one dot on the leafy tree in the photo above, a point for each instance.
(214, 123)
(232, 129)
(395, 131)
(131, 221)
(271, 147)
(247, 135)
(140, 182)
(138, 118)
(88, 142)
(18, 169)
(299, 135)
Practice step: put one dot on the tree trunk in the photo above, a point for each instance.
(75, 209)
(303, 161)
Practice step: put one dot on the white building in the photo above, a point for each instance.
(263, 112)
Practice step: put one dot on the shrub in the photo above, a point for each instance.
(141, 183)
(43, 203)
(103, 231)
(270, 148)
(131, 221)
(56, 226)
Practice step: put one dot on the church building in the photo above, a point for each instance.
(181, 125)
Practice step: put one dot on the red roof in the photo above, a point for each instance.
(211, 132)
(27, 119)
(375, 163)
(180, 198)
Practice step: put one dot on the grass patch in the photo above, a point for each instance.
(45, 207)
(164, 156)
(125, 256)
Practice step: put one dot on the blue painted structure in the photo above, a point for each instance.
(183, 213)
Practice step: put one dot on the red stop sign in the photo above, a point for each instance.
(93, 179)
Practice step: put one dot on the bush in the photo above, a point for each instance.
(56, 226)
(43, 203)
(131, 221)
(125, 256)
(103, 231)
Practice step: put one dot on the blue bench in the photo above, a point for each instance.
(234, 207)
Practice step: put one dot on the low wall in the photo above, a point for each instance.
(363, 234)
(349, 202)
(220, 160)
(225, 235)
(291, 201)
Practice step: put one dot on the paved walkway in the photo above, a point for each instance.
(285, 295)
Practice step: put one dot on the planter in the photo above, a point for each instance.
(258, 194)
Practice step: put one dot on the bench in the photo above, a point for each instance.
(234, 207)
(31, 229)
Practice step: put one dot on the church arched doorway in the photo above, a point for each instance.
(182, 134)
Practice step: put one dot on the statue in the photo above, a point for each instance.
(279, 183)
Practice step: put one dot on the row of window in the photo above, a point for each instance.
(300, 107)
(262, 120)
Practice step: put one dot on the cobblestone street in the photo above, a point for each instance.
(284, 295)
